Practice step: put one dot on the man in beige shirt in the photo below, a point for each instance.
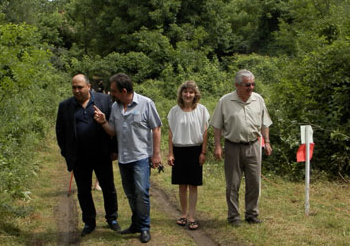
(241, 117)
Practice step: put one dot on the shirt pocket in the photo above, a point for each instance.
(257, 116)
(137, 117)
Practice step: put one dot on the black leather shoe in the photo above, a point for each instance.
(130, 230)
(145, 236)
(87, 230)
(113, 224)
(253, 220)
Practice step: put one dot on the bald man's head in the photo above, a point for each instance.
(81, 88)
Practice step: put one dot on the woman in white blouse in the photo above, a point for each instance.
(188, 122)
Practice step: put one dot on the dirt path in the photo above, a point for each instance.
(199, 236)
(67, 216)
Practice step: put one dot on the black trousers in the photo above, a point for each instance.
(102, 165)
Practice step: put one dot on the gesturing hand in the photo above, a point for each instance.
(99, 116)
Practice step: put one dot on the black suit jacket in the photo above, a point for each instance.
(66, 129)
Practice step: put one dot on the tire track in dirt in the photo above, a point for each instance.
(66, 214)
(199, 236)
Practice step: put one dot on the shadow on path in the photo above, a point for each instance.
(67, 218)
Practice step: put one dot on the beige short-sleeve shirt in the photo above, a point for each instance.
(240, 121)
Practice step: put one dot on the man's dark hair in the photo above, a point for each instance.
(123, 82)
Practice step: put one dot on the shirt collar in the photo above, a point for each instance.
(234, 97)
(135, 100)
(92, 98)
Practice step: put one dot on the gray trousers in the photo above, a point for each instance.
(239, 159)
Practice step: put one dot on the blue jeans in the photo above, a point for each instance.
(135, 179)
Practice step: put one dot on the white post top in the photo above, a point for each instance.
(303, 134)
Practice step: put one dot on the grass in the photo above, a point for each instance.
(40, 227)
(281, 209)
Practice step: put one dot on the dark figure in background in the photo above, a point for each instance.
(87, 148)
(100, 87)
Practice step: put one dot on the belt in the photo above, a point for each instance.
(248, 143)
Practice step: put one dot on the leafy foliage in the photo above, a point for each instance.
(174, 41)
(298, 51)
(314, 91)
(29, 88)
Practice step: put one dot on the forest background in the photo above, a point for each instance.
(298, 50)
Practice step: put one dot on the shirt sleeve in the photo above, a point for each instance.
(112, 116)
(216, 120)
(206, 117)
(153, 116)
(266, 121)
(170, 118)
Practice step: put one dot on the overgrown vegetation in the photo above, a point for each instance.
(281, 208)
(298, 51)
(30, 90)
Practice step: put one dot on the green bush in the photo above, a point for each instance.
(314, 91)
(30, 89)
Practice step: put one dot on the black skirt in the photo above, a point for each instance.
(186, 169)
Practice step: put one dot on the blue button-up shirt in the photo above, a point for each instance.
(134, 128)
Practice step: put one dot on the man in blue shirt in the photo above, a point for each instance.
(136, 123)
(87, 148)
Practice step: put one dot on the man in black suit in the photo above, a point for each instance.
(87, 148)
